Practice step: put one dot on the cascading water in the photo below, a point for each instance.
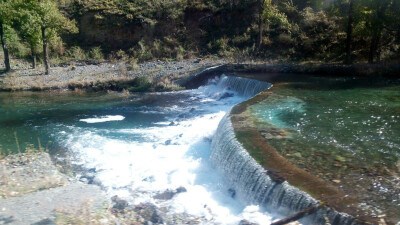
(254, 186)
(139, 151)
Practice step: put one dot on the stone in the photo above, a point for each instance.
(275, 176)
(148, 212)
(246, 222)
(169, 194)
(119, 203)
(226, 95)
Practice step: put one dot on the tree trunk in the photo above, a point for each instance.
(45, 52)
(33, 53)
(5, 49)
(260, 25)
(349, 39)
(260, 32)
(373, 48)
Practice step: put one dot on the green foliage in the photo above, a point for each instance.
(96, 53)
(272, 15)
(77, 53)
(16, 46)
(291, 30)
(140, 84)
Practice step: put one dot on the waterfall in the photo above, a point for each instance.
(243, 86)
(249, 179)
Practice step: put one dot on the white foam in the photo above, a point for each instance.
(167, 157)
(103, 119)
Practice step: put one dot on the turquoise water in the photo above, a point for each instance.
(343, 130)
(349, 118)
(31, 115)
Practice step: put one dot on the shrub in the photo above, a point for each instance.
(121, 55)
(96, 53)
(140, 84)
(132, 63)
(77, 53)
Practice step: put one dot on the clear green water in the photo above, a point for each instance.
(349, 119)
(32, 115)
(343, 130)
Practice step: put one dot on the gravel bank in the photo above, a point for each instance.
(88, 73)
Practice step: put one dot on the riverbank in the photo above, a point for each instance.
(161, 75)
(104, 76)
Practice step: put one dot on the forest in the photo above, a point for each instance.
(334, 31)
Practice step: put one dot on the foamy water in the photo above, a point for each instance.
(103, 119)
(138, 162)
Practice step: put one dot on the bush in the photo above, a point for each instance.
(121, 55)
(77, 53)
(96, 53)
(132, 63)
(140, 84)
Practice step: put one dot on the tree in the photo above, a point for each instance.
(262, 4)
(349, 38)
(49, 20)
(270, 15)
(28, 31)
(5, 19)
(375, 17)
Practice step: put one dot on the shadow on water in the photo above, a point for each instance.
(322, 82)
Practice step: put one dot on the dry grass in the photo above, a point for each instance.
(165, 83)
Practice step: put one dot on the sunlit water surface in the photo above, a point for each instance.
(343, 130)
(139, 145)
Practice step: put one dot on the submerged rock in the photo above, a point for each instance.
(169, 194)
(232, 192)
(246, 222)
(226, 95)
